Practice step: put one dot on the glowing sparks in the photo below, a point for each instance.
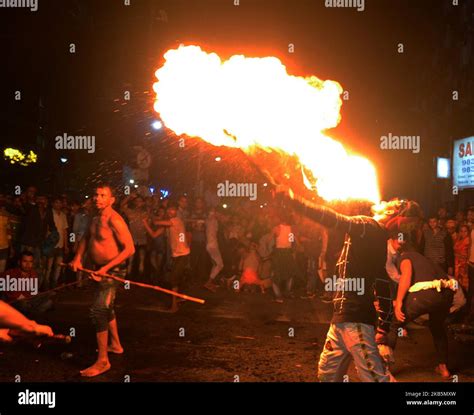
(17, 157)
(245, 102)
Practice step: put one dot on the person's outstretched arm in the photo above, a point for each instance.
(353, 225)
(11, 318)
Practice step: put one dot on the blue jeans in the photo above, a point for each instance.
(346, 342)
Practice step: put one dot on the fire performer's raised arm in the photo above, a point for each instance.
(353, 225)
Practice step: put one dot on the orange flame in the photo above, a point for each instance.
(245, 102)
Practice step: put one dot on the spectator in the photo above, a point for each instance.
(26, 301)
(461, 252)
(438, 245)
(5, 226)
(72, 212)
(61, 249)
(310, 238)
(15, 222)
(442, 216)
(460, 218)
(150, 204)
(249, 265)
(133, 207)
(470, 218)
(183, 213)
(80, 225)
(16, 207)
(157, 236)
(470, 269)
(451, 228)
(258, 226)
(81, 221)
(179, 252)
(212, 247)
(283, 261)
(165, 203)
(235, 229)
(265, 250)
(210, 197)
(37, 223)
(199, 256)
(233, 236)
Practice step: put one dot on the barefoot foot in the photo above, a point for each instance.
(96, 369)
(115, 349)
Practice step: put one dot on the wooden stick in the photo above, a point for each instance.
(59, 287)
(140, 284)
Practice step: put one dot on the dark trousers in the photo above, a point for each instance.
(102, 310)
(436, 305)
(179, 270)
(199, 262)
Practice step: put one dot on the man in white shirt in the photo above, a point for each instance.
(179, 251)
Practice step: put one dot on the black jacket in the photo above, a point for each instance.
(35, 228)
(366, 259)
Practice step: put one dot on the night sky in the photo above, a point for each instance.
(119, 48)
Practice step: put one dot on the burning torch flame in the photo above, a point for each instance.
(245, 102)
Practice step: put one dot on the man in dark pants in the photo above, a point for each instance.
(108, 243)
(180, 252)
(424, 288)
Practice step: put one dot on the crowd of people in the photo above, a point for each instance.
(216, 246)
(184, 242)
(268, 247)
